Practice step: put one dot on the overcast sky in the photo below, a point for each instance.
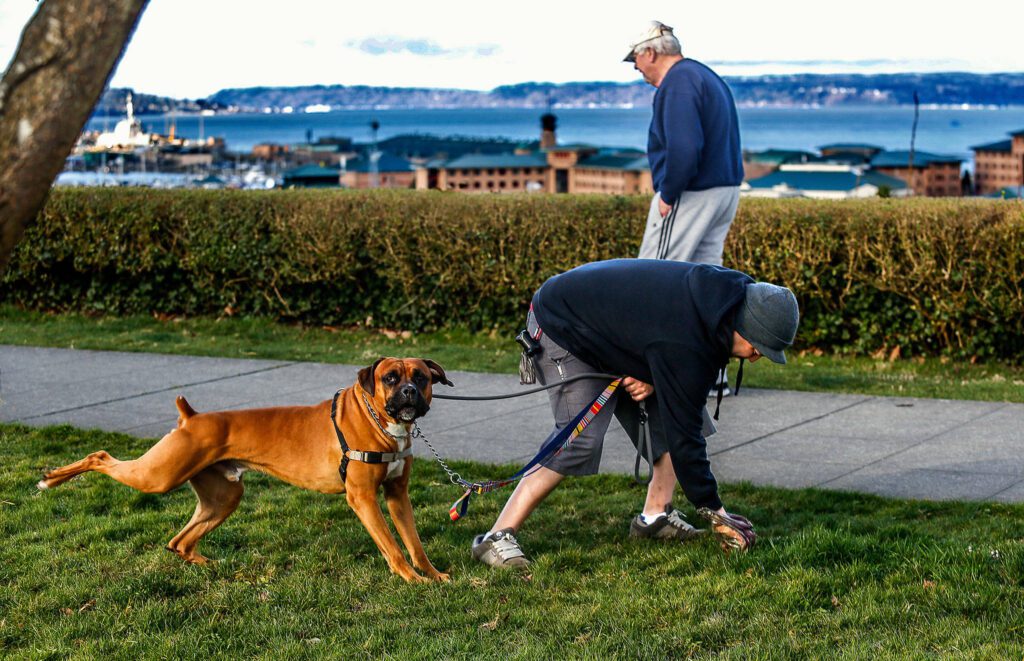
(192, 48)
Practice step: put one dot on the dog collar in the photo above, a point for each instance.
(376, 420)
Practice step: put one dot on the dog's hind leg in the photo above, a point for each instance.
(218, 498)
(62, 475)
(166, 465)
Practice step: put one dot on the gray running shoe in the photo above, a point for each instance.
(713, 393)
(722, 378)
(499, 549)
(671, 526)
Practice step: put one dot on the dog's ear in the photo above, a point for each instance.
(437, 373)
(366, 378)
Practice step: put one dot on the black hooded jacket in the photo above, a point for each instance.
(662, 322)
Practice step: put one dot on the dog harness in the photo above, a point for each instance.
(365, 456)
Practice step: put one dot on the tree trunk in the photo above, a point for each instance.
(66, 54)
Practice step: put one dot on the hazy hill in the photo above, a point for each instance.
(798, 89)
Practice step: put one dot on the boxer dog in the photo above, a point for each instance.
(301, 445)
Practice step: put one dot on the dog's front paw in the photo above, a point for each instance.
(415, 578)
(442, 578)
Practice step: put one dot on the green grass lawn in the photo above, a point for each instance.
(480, 352)
(83, 574)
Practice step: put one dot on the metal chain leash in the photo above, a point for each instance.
(452, 475)
(376, 419)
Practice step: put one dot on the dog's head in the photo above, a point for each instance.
(401, 387)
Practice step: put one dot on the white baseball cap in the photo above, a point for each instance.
(655, 30)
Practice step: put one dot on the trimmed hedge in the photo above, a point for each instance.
(926, 276)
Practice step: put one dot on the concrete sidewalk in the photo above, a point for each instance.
(915, 448)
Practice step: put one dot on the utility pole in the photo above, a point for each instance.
(913, 137)
(374, 155)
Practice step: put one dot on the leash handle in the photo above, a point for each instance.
(645, 438)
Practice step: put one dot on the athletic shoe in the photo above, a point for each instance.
(671, 526)
(499, 549)
(722, 378)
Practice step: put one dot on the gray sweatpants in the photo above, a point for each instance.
(694, 230)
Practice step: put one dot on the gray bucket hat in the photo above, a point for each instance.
(768, 319)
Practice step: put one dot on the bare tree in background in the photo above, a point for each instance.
(67, 52)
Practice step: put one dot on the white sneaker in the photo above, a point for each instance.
(499, 549)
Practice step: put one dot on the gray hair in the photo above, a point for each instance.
(666, 44)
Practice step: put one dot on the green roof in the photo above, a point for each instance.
(1008, 193)
(386, 163)
(575, 146)
(825, 181)
(311, 171)
(498, 161)
(846, 146)
(900, 159)
(312, 176)
(1002, 145)
(615, 162)
(841, 157)
(778, 156)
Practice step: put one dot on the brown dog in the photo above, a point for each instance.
(300, 445)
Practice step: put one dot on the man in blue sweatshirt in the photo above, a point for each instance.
(668, 327)
(693, 147)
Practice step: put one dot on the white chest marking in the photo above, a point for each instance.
(401, 435)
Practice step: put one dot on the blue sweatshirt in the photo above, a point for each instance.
(665, 323)
(694, 140)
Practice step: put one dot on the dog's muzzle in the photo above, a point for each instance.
(406, 403)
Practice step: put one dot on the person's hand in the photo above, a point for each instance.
(734, 532)
(637, 389)
(663, 208)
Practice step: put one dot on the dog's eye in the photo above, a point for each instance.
(390, 379)
(420, 379)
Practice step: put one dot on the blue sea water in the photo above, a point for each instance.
(940, 130)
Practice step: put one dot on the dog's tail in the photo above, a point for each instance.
(185, 410)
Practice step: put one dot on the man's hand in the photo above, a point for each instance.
(663, 208)
(638, 390)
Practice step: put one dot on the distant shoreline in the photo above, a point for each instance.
(746, 106)
(940, 90)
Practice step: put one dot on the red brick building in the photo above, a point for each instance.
(930, 175)
(999, 165)
(391, 172)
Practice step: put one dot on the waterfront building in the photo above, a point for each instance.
(929, 175)
(999, 165)
(269, 151)
(845, 150)
(391, 172)
(487, 173)
(823, 181)
(757, 164)
(312, 176)
(421, 148)
(127, 133)
(553, 168)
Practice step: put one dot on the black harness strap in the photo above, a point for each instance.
(343, 468)
(365, 456)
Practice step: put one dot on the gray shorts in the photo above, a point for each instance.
(583, 455)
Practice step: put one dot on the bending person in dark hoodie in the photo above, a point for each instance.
(669, 327)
